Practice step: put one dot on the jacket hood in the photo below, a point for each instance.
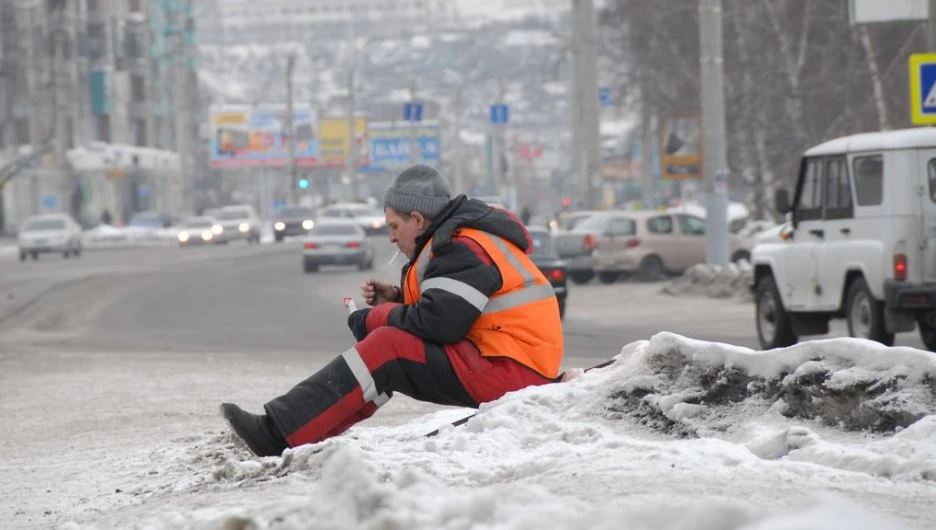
(462, 212)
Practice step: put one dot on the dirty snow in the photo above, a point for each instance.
(714, 281)
(677, 433)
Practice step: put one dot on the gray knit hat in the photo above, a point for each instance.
(418, 188)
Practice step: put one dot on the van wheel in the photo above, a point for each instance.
(774, 329)
(865, 315)
(651, 269)
(741, 255)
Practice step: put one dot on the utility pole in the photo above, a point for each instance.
(292, 181)
(413, 145)
(586, 132)
(715, 167)
(351, 189)
(459, 182)
(182, 122)
(497, 145)
(58, 34)
(931, 35)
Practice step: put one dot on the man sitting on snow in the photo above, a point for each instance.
(473, 319)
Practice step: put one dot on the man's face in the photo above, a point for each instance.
(405, 229)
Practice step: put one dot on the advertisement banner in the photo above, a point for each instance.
(389, 145)
(334, 144)
(245, 136)
(681, 147)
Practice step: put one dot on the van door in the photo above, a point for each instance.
(692, 241)
(837, 248)
(799, 280)
(927, 159)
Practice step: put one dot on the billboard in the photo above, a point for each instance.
(387, 146)
(334, 143)
(681, 147)
(244, 136)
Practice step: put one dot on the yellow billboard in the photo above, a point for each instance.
(334, 144)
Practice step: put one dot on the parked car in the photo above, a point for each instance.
(576, 244)
(860, 244)
(49, 233)
(337, 242)
(369, 218)
(293, 221)
(652, 245)
(200, 230)
(240, 222)
(545, 258)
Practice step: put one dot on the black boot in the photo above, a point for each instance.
(257, 431)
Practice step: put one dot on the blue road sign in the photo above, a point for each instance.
(604, 97)
(923, 88)
(143, 191)
(412, 111)
(49, 201)
(500, 114)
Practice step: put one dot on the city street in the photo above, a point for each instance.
(122, 351)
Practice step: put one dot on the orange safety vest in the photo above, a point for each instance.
(521, 320)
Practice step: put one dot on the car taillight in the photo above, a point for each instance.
(900, 266)
(588, 243)
(633, 243)
(309, 244)
(353, 244)
(557, 275)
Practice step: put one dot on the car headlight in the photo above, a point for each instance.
(217, 230)
(206, 235)
(183, 237)
(243, 227)
(308, 224)
(279, 225)
(376, 224)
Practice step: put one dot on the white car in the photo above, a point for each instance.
(860, 243)
(51, 233)
(239, 222)
(369, 218)
(200, 230)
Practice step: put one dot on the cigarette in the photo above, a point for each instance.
(395, 254)
(349, 303)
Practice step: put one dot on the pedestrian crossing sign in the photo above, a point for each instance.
(923, 88)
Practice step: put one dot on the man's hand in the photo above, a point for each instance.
(377, 292)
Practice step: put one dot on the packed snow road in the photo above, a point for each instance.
(112, 366)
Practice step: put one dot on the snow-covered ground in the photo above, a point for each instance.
(834, 434)
(733, 281)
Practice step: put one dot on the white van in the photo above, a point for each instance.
(860, 243)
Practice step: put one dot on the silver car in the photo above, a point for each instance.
(240, 222)
(51, 233)
(337, 243)
(370, 219)
(200, 230)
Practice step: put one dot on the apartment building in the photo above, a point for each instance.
(101, 92)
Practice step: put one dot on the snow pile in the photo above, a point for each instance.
(580, 454)
(713, 281)
(699, 389)
(108, 236)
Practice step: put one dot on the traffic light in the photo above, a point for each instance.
(303, 183)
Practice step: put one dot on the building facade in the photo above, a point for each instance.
(115, 76)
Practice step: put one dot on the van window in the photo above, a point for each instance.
(809, 200)
(622, 226)
(869, 180)
(660, 225)
(838, 199)
(931, 177)
(691, 226)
